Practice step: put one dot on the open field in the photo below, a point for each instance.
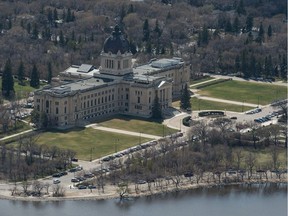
(87, 142)
(138, 125)
(257, 93)
(199, 104)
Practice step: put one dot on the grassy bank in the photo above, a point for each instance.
(249, 92)
(199, 104)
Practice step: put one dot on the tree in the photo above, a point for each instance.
(240, 8)
(21, 73)
(236, 26)
(249, 23)
(7, 81)
(146, 31)
(34, 79)
(269, 31)
(40, 119)
(185, 99)
(260, 37)
(50, 74)
(156, 109)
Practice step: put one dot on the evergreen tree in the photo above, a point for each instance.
(34, 79)
(283, 67)
(130, 9)
(7, 80)
(269, 31)
(244, 64)
(252, 66)
(156, 109)
(258, 70)
(146, 31)
(228, 26)
(61, 39)
(236, 26)
(157, 29)
(185, 99)
(49, 76)
(35, 31)
(240, 8)
(249, 23)
(260, 37)
(203, 37)
(21, 73)
(237, 64)
(55, 14)
(50, 16)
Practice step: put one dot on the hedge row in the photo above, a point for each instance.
(209, 113)
(186, 121)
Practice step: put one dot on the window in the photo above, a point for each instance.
(138, 100)
(65, 109)
(119, 65)
(57, 110)
(125, 63)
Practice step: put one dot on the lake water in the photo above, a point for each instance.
(241, 200)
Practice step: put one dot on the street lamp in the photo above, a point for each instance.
(139, 137)
(91, 153)
(117, 140)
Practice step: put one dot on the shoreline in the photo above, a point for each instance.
(146, 193)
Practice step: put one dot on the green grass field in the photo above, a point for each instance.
(199, 104)
(138, 125)
(245, 92)
(22, 91)
(87, 141)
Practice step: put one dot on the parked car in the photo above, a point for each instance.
(56, 175)
(91, 186)
(81, 187)
(75, 180)
(56, 181)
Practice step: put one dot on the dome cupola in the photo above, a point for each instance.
(116, 42)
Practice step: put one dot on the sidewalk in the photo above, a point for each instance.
(98, 127)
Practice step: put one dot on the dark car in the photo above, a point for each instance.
(91, 186)
(56, 175)
(81, 187)
(74, 159)
(188, 174)
(75, 180)
(73, 170)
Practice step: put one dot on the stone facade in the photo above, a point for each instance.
(84, 92)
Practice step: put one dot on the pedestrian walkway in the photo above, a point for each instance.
(15, 135)
(225, 101)
(207, 81)
(98, 127)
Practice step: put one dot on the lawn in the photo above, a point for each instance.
(138, 125)
(199, 104)
(245, 92)
(87, 141)
(22, 91)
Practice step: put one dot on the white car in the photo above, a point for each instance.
(56, 181)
